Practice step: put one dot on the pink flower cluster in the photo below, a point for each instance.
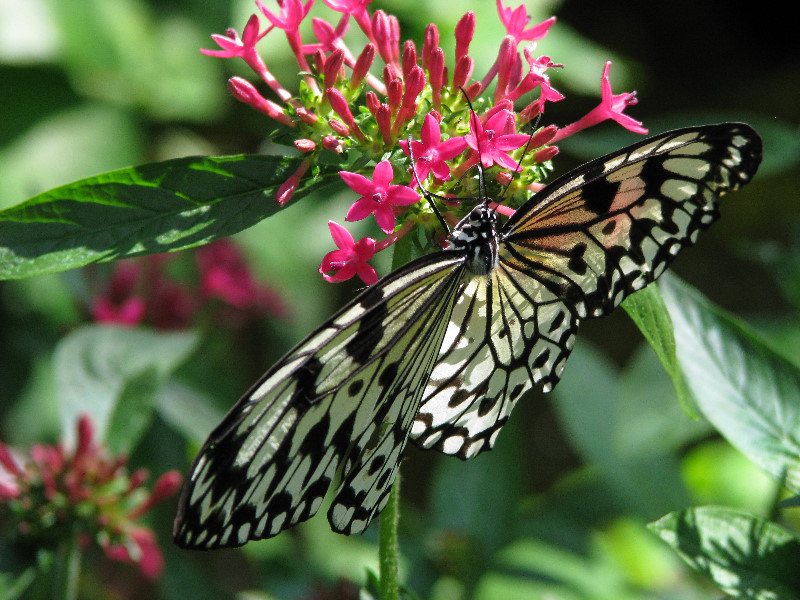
(142, 290)
(418, 105)
(53, 492)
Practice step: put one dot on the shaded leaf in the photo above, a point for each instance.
(112, 374)
(747, 391)
(646, 477)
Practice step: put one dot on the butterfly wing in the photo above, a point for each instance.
(344, 398)
(613, 225)
(506, 334)
(576, 249)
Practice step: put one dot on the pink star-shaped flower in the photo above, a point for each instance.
(516, 20)
(611, 107)
(292, 14)
(233, 46)
(431, 153)
(494, 140)
(350, 259)
(378, 196)
(537, 77)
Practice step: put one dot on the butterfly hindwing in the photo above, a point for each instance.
(506, 334)
(345, 396)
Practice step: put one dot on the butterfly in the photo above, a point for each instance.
(441, 349)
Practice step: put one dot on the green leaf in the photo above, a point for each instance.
(747, 391)
(112, 374)
(158, 207)
(746, 556)
(648, 311)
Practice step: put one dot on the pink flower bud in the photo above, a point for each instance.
(372, 102)
(306, 115)
(137, 479)
(465, 30)
(504, 177)
(305, 145)
(246, 92)
(436, 72)
(474, 90)
(463, 72)
(341, 108)
(543, 136)
(384, 119)
(287, 188)
(394, 93)
(386, 33)
(415, 83)
(363, 63)
(8, 462)
(529, 113)
(545, 154)
(409, 57)
(319, 60)
(85, 434)
(333, 68)
(333, 144)
(339, 127)
(431, 41)
(508, 68)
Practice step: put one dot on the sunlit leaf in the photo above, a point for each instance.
(744, 555)
(159, 207)
(648, 311)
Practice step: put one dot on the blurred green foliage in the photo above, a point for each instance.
(559, 509)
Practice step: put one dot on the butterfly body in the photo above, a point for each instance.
(476, 237)
(440, 350)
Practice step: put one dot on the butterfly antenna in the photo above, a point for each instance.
(428, 196)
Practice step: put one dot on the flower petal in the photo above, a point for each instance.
(383, 174)
(357, 182)
(341, 237)
(361, 209)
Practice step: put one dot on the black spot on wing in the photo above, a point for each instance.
(609, 227)
(306, 378)
(599, 194)
(355, 387)
(370, 330)
(576, 263)
(388, 375)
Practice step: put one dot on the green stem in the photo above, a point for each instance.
(388, 545)
(67, 569)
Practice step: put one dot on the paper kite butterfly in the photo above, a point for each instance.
(441, 349)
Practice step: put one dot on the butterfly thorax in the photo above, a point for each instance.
(476, 236)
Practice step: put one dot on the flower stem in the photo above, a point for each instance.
(67, 569)
(388, 546)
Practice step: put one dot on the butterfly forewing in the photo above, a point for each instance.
(347, 393)
(612, 226)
